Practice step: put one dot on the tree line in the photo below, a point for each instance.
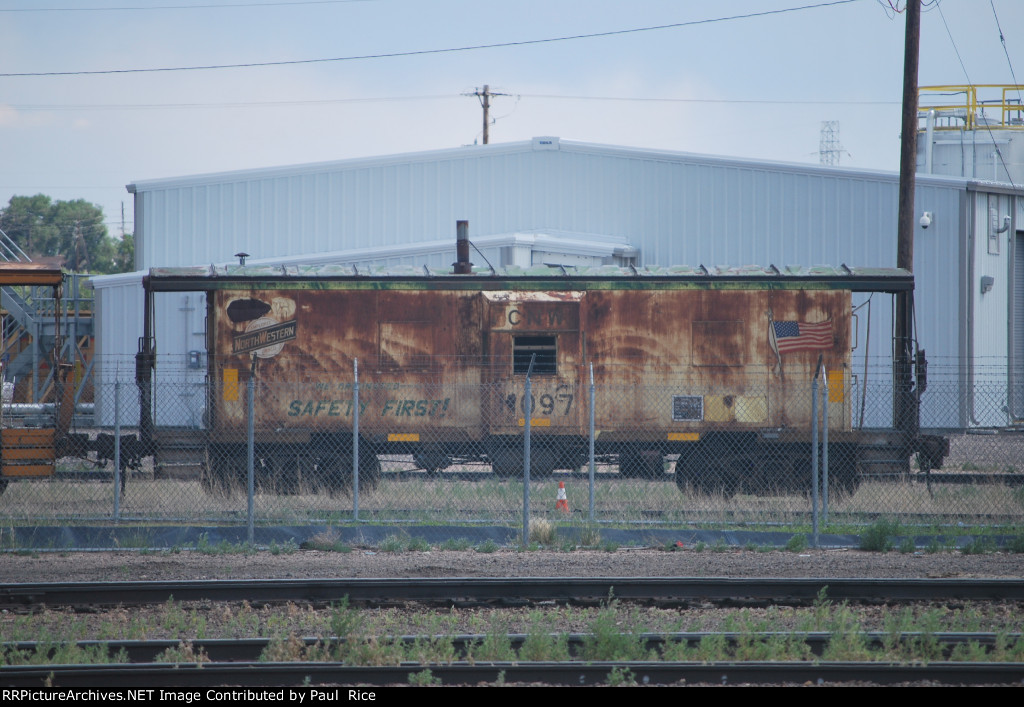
(72, 231)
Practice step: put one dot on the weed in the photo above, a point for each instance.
(184, 652)
(371, 651)
(700, 546)
(797, 543)
(933, 546)
(980, 546)
(455, 544)
(608, 641)
(346, 621)
(424, 678)
(712, 648)
(542, 531)
(541, 645)
(590, 535)
(970, 652)
(392, 543)
(288, 649)
(621, 677)
(327, 541)
(205, 547)
(287, 548)
(487, 546)
(720, 546)
(417, 545)
(907, 546)
(1015, 544)
(495, 645)
(877, 537)
(609, 546)
(847, 642)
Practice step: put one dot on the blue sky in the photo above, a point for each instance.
(755, 87)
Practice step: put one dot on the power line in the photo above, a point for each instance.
(234, 104)
(384, 99)
(424, 52)
(988, 128)
(710, 100)
(206, 6)
(1002, 40)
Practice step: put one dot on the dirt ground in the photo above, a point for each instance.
(136, 566)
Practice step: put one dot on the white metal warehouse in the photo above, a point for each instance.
(559, 202)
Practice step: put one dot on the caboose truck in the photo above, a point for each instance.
(711, 365)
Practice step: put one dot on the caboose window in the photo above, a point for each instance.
(525, 347)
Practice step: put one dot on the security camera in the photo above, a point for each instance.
(926, 219)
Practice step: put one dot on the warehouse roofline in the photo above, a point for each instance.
(539, 144)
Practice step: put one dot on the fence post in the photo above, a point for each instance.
(117, 451)
(824, 446)
(250, 402)
(590, 434)
(814, 456)
(527, 412)
(355, 440)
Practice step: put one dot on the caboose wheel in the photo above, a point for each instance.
(431, 461)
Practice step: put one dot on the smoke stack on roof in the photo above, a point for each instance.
(462, 265)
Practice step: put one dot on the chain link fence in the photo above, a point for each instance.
(758, 451)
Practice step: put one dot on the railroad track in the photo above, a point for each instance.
(463, 591)
(275, 675)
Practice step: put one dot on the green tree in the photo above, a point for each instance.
(72, 230)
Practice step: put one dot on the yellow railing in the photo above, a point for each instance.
(958, 107)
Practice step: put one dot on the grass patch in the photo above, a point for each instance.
(487, 547)
(288, 547)
(326, 541)
(424, 678)
(205, 547)
(980, 546)
(589, 535)
(877, 537)
(797, 543)
(1015, 544)
(543, 532)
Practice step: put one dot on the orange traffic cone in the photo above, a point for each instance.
(562, 504)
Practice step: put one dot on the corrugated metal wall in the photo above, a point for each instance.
(675, 208)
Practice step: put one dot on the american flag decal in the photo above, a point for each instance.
(790, 337)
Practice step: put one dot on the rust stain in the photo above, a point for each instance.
(443, 362)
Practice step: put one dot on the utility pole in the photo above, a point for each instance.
(485, 102)
(904, 408)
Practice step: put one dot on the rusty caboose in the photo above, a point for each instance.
(711, 368)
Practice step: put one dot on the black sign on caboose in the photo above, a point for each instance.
(262, 338)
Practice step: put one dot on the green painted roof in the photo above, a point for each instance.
(329, 276)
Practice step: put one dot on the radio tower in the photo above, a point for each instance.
(829, 148)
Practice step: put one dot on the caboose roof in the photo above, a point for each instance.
(334, 276)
